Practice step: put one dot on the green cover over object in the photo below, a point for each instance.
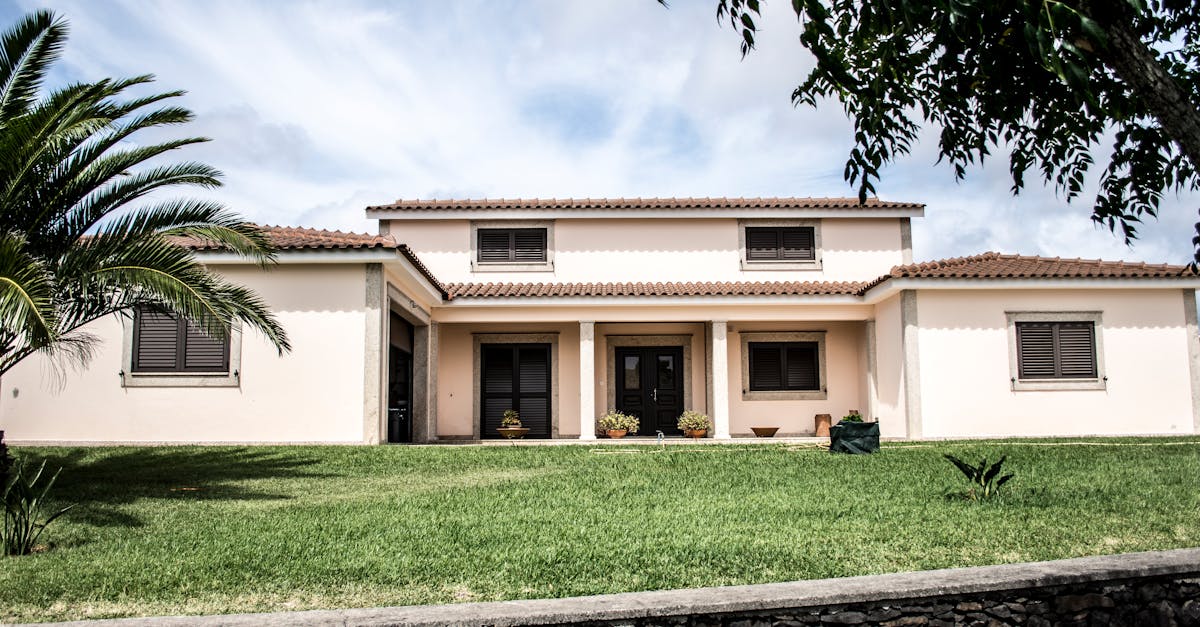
(854, 437)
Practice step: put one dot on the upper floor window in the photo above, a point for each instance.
(512, 246)
(1056, 351)
(780, 244)
(166, 350)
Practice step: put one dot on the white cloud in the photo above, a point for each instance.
(317, 109)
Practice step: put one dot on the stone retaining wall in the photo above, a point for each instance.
(1160, 588)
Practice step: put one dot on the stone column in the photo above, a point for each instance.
(719, 367)
(587, 380)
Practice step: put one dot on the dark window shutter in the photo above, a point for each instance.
(512, 245)
(515, 376)
(1056, 350)
(529, 245)
(204, 353)
(798, 243)
(802, 367)
(164, 342)
(1077, 350)
(766, 367)
(495, 245)
(789, 243)
(156, 340)
(762, 244)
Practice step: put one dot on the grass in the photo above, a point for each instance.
(190, 530)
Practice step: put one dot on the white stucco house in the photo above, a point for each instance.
(758, 312)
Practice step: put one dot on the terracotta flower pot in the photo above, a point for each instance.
(764, 432)
(695, 433)
(616, 433)
(821, 422)
(513, 433)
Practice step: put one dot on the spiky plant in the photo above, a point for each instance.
(985, 479)
(80, 236)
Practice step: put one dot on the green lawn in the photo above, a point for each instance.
(235, 529)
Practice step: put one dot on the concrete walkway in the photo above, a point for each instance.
(666, 603)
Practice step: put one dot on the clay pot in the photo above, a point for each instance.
(764, 432)
(822, 425)
(695, 433)
(513, 433)
(616, 433)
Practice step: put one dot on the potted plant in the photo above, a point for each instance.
(617, 425)
(510, 425)
(694, 424)
(852, 435)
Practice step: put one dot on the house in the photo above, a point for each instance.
(758, 312)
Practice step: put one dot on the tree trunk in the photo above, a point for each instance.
(1137, 65)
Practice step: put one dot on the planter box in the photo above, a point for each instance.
(854, 437)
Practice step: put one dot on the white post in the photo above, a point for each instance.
(720, 381)
(587, 380)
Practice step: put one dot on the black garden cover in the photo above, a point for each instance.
(854, 437)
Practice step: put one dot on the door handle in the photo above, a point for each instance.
(655, 395)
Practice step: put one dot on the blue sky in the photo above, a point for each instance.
(318, 109)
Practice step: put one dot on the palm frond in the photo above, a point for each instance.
(27, 50)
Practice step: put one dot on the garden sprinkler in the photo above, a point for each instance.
(660, 440)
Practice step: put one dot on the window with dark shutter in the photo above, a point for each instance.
(515, 376)
(779, 366)
(166, 343)
(511, 245)
(783, 243)
(1056, 350)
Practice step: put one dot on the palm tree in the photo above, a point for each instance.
(80, 236)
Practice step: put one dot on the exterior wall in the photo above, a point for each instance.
(313, 394)
(622, 250)
(965, 376)
(456, 380)
(890, 398)
(843, 374)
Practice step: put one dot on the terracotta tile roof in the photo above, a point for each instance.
(299, 238)
(992, 265)
(566, 204)
(756, 288)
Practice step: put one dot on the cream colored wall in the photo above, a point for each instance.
(313, 394)
(844, 381)
(889, 369)
(657, 250)
(456, 375)
(965, 375)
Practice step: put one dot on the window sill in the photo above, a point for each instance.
(181, 380)
(545, 266)
(785, 395)
(781, 265)
(1047, 385)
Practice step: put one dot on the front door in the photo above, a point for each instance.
(650, 386)
(400, 374)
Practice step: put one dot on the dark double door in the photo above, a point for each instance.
(650, 386)
(515, 376)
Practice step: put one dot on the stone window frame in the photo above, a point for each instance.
(744, 340)
(232, 378)
(479, 339)
(1099, 382)
(747, 264)
(537, 266)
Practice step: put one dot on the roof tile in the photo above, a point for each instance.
(641, 203)
(742, 288)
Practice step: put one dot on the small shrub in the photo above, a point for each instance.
(5, 461)
(853, 416)
(614, 420)
(985, 480)
(510, 418)
(694, 421)
(24, 508)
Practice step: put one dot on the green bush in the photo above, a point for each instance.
(694, 421)
(25, 507)
(510, 418)
(985, 480)
(614, 420)
(853, 416)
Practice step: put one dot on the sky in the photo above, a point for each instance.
(317, 109)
